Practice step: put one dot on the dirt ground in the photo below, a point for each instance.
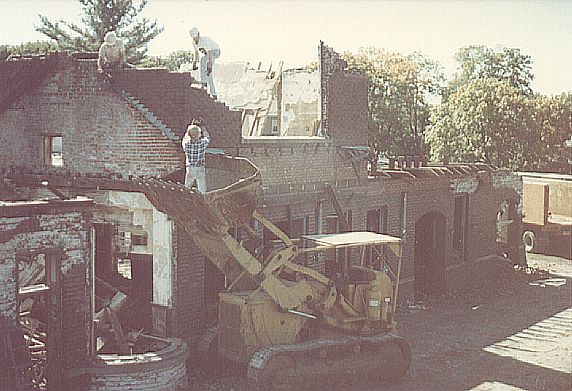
(511, 331)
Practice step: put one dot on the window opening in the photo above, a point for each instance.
(53, 151)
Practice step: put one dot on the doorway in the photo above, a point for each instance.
(429, 266)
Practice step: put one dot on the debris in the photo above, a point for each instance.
(548, 282)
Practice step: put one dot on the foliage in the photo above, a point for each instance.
(552, 127)
(172, 62)
(28, 48)
(493, 121)
(399, 89)
(480, 62)
(100, 17)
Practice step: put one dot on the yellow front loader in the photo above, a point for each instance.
(293, 327)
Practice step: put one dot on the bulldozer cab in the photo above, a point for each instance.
(363, 254)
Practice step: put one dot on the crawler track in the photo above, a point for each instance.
(324, 364)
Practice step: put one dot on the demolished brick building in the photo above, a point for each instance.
(75, 233)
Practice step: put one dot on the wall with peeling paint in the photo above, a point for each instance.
(159, 229)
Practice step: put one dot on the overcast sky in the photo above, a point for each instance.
(274, 30)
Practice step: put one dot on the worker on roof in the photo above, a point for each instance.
(209, 51)
(195, 143)
(111, 54)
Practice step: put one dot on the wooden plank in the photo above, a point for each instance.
(118, 331)
(339, 211)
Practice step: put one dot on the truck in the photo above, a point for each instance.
(547, 211)
(289, 326)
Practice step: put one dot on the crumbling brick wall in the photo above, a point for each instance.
(27, 230)
(188, 292)
(170, 96)
(102, 133)
(288, 163)
(344, 97)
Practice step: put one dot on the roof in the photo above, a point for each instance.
(352, 239)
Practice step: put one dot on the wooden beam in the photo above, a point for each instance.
(339, 211)
(118, 331)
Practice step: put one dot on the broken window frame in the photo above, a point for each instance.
(50, 157)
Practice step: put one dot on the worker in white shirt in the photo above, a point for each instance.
(209, 51)
(111, 54)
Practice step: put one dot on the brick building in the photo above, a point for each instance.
(70, 132)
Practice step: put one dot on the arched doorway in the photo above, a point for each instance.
(429, 267)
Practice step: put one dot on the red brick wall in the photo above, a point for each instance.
(169, 96)
(101, 132)
(188, 292)
(423, 196)
(63, 230)
(347, 108)
(293, 163)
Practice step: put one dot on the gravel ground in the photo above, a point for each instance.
(510, 331)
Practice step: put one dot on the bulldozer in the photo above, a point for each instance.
(290, 326)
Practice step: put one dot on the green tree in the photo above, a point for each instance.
(400, 88)
(490, 114)
(481, 62)
(101, 16)
(491, 121)
(28, 48)
(482, 121)
(172, 62)
(551, 127)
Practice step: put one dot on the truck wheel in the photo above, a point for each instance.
(529, 239)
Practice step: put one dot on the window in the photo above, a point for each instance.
(53, 151)
(376, 221)
(318, 217)
(274, 126)
(460, 223)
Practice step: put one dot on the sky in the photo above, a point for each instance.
(286, 30)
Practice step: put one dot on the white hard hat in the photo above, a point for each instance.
(110, 38)
(194, 32)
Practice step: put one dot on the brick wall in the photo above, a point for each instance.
(29, 232)
(188, 299)
(347, 108)
(344, 97)
(101, 132)
(169, 96)
(424, 195)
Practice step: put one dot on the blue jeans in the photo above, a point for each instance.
(208, 80)
(198, 174)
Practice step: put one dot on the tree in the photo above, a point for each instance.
(100, 17)
(172, 62)
(481, 121)
(480, 62)
(399, 91)
(552, 126)
(490, 114)
(491, 121)
(28, 48)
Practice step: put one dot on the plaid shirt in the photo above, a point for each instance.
(195, 150)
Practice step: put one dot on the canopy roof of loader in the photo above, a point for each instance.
(352, 239)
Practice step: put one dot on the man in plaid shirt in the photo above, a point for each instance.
(195, 144)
